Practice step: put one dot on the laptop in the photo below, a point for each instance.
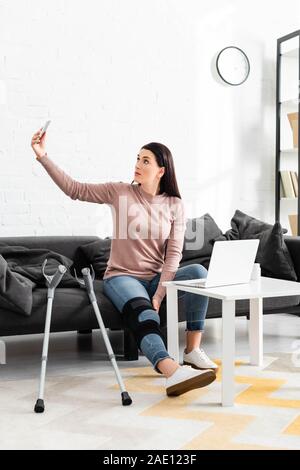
(231, 263)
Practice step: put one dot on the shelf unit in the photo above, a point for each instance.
(287, 100)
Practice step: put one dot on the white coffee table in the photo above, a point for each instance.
(255, 291)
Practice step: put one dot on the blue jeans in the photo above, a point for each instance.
(122, 288)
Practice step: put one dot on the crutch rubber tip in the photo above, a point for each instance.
(39, 406)
(126, 400)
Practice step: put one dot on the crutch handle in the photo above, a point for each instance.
(58, 276)
(88, 280)
(54, 280)
(81, 282)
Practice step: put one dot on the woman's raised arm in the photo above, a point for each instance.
(90, 192)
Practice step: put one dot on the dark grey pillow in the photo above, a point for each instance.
(272, 254)
(243, 225)
(199, 237)
(95, 253)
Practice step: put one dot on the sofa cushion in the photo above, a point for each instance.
(272, 254)
(95, 254)
(71, 310)
(293, 245)
(199, 236)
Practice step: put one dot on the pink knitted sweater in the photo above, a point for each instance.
(148, 231)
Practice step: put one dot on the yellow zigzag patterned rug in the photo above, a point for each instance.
(83, 410)
(266, 414)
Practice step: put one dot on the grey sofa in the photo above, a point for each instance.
(73, 312)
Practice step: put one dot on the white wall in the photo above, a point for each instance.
(113, 75)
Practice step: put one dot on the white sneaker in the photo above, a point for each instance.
(199, 360)
(185, 379)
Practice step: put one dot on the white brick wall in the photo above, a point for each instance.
(114, 75)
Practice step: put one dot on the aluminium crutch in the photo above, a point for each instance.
(51, 282)
(87, 283)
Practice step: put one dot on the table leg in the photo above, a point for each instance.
(256, 332)
(172, 322)
(228, 338)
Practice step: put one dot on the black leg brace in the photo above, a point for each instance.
(131, 311)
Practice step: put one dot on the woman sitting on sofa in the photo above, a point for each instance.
(141, 260)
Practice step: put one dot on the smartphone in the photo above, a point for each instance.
(45, 127)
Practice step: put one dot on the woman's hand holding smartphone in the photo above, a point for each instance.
(38, 141)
